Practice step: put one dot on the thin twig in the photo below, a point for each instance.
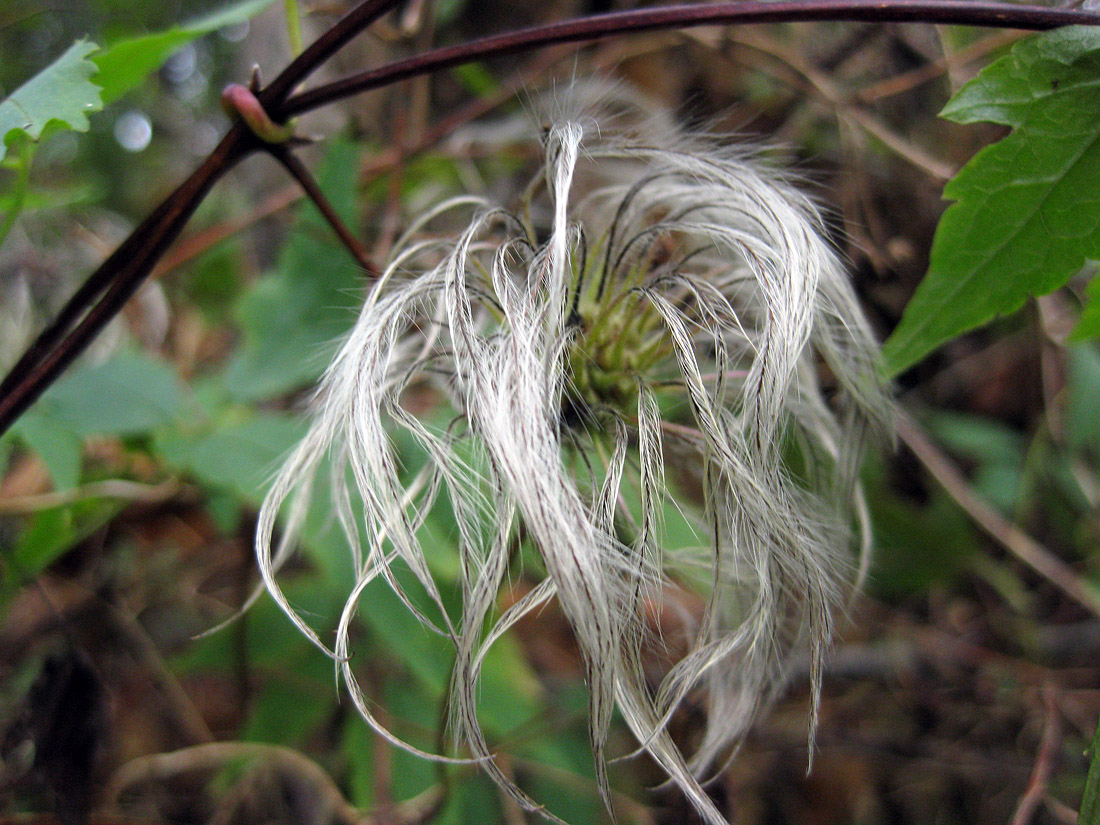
(190, 721)
(77, 599)
(905, 81)
(1008, 535)
(105, 292)
(841, 104)
(187, 249)
(320, 50)
(391, 208)
(1044, 760)
(213, 756)
(112, 488)
(1060, 810)
(192, 246)
(420, 809)
(293, 25)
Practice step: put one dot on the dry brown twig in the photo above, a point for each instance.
(213, 756)
(131, 491)
(901, 83)
(1044, 760)
(842, 103)
(1060, 810)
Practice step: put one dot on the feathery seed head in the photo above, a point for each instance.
(642, 337)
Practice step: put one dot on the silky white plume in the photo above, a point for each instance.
(656, 326)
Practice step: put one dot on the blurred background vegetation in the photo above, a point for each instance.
(965, 687)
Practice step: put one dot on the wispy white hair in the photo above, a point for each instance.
(649, 329)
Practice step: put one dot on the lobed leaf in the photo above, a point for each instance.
(1027, 209)
(60, 96)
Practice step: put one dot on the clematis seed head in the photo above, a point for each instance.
(655, 328)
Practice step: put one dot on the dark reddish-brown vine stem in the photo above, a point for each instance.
(111, 285)
(105, 292)
(956, 12)
(320, 50)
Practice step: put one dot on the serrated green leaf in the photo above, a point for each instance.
(1027, 211)
(61, 95)
(125, 64)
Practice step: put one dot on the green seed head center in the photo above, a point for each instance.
(614, 346)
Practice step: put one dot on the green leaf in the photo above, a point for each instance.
(130, 394)
(1090, 805)
(60, 449)
(238, 456)
(357, 748)
(1027, 211)
(916, 544)
(242, 457)
(1082, 411)
(293, 318)
(59, 96)
(48, 535)
(1088, 325)
(509, 692)
(61, 197)
(125, 64)
(294, 704)
(561, 767)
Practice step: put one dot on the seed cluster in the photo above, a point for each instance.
(651, 294)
